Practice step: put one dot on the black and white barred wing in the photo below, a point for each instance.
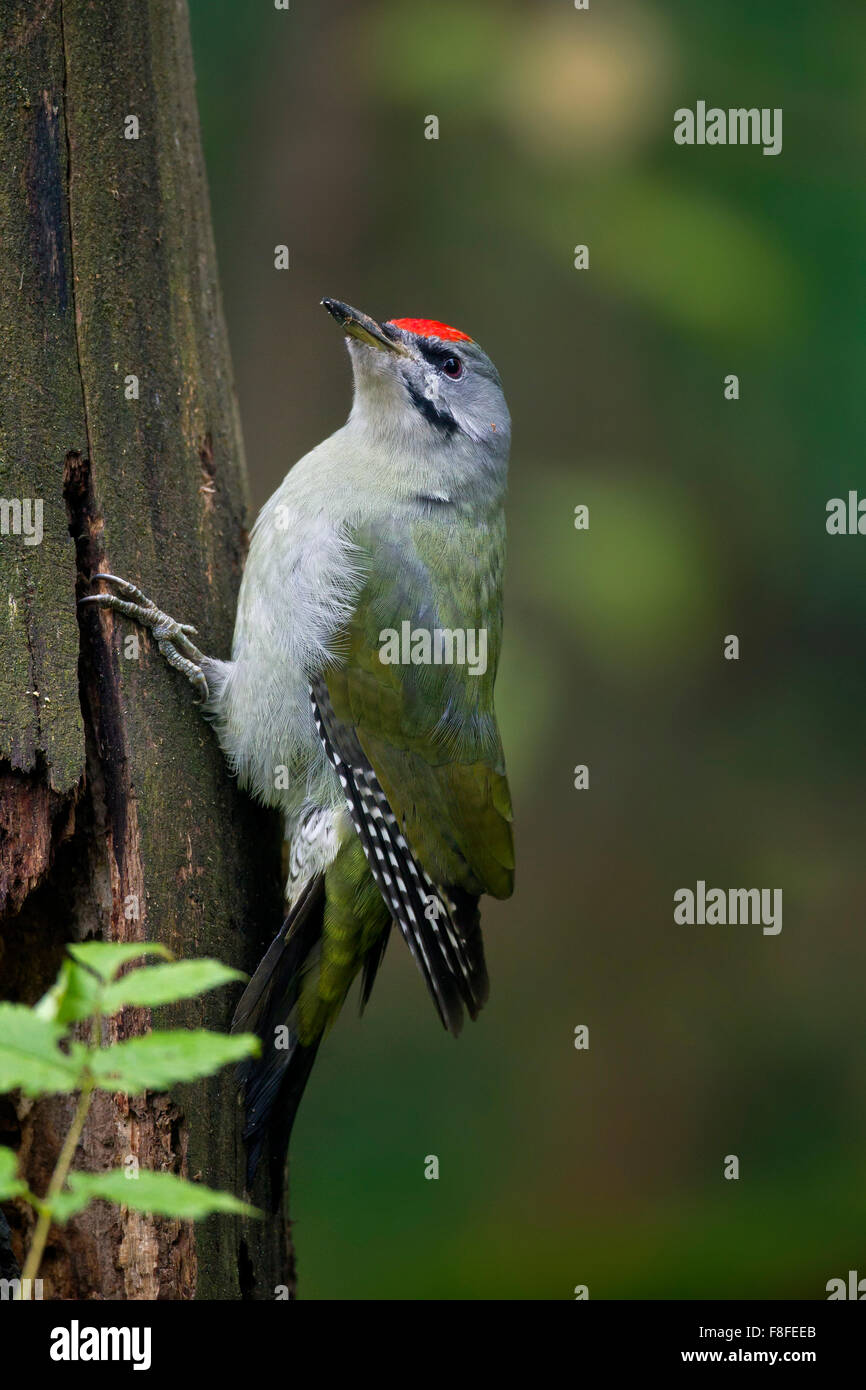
(439, 921)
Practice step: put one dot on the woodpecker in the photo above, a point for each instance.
(346, 704)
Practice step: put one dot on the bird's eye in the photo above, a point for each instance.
(453, 367)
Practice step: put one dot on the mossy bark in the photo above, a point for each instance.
(117, 815)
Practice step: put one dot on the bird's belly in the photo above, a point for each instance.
(268, 732)
(296, 594)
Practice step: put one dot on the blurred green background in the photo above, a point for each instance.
(707, 517)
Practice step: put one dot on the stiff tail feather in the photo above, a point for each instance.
(273, 1084)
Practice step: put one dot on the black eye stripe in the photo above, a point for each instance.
(442, 419)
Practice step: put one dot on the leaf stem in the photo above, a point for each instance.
(64, 1163)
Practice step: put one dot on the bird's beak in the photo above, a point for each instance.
(366, 330)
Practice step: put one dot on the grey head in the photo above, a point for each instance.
(428, 388)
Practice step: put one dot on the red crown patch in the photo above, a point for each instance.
(429, 328)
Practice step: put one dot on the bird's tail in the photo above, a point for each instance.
(338, 926)
(273, 1083)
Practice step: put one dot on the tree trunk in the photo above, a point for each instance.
(118, 817)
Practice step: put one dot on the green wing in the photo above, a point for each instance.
(417, 745)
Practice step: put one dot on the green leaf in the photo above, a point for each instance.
(10, 1183)
(74, 995)
(159, 1060)
(162, 984)
(106, 957)
(29, 1055)
(161, 1193)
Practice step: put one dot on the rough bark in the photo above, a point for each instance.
(113, 794)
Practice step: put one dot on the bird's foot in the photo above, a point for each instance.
(173, 638)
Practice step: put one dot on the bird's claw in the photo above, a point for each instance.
(172, 638)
